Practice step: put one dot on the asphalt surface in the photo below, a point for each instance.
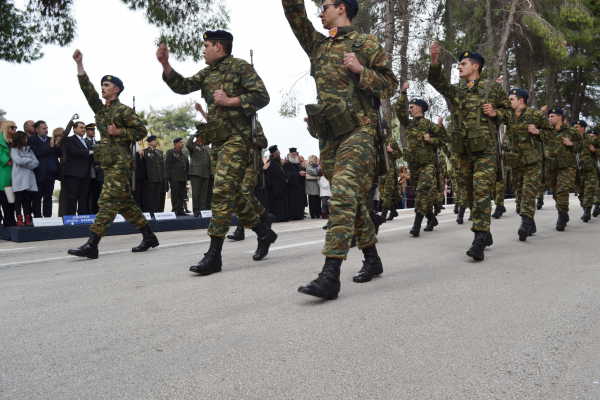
(523, 324)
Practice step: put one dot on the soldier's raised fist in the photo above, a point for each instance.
(434, 50)
(441, 121)
(544, 109)
(405, 87)
(77, 56)
(162, 54)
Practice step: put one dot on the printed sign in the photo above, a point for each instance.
(164, 216)
(206, 214)
(39, 222)
(148, 216)
(78, 219)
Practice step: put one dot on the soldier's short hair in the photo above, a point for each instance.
(226, 44)
(349, 9)
(521, 97)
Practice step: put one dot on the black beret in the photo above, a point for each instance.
(558, 111)
(293, 150)
(177, 140)
(592, 132)
(353, 4)
(218, 35)
(90, 126)
(476, 57)
(114, 80)
(273, 149)
(151, 138)
(420, 103)
(580, 122)
(520, 92)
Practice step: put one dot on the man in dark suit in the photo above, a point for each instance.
(176, 166)
(155, 169)
(199, 173)
(97, 174)
(80, 161)
(47, 172)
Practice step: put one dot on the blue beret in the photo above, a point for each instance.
(218, 35)
(478, 58)
(353, 4)
(420, 103)
(580, 122)
(592, 133)
(558, 111)
(150, 138)
(520, 92)
(177, 140)
(114, 80)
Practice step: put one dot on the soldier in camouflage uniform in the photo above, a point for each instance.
(387, 183)
(589, 170)
(233, 92)
(561, 146)
(349, 68)
(596, 210)
(119, 126)
(526, 129)
(423, 137)
(498, 190)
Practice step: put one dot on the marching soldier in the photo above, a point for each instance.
(561, 145)
(589, 169)
(349, 69)
(388, 183)
(199, 173)
(526, 128)
(471, 136)
(423, 137)
(233, 92)
(155, 168)
(176, 167)
(119, 126)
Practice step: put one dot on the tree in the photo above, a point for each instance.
(2, 115)
(182, 24)
(170, 122)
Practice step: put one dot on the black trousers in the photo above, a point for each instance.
(95, 190)
(23, 200)
(156, 190)
(178, 195)
(199, 193)
(314, 205)
(8, 219)
(45, 190)
(79, 189)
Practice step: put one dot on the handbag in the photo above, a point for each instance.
(10, 195)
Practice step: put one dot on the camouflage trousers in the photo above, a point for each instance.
(529, 177)
(561, 181)
(116, 198)
(478, 172)
(387, 184)
(499, 188)
(597, 196)
(349, 164)
(230, 161)
(587, 188)
(517, 184)
(250, 181)
(422, 179)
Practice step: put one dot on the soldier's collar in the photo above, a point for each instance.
(340, 31)
(417, 119)
(112, 102)
(220, 61)
(520, 111)
(473, 84)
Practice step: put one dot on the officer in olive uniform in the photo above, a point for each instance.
(199, 173)
(155, 167)
(177, 165)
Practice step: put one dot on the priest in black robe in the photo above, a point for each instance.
(278, 179)
(296, 187)
(262, 192)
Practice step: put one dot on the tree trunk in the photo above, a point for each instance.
(505, 35)
(532, 96)
(575, 104)
(518, 73)
(550, 82)
(389, 50)
(404, 4)
(446, 59)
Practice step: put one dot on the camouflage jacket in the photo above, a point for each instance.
(130, 125)
(517, 122)
(394, 155)
(554, 142)
(584, 149)
(418, 127)
(332, 78)
(472, 99)
(239, 79)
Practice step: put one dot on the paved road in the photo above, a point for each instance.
(523, 324)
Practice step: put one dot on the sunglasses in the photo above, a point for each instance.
(324, 6)
(14, 127)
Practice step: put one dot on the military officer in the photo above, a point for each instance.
(119, 126)
(526, 128)
(349, 69)
(423, 137)
(233, 92)
(199, 172)
(561, 146)
(155, 167)
(176, 167)
(388, 183)
(589, 169)
(471, 136)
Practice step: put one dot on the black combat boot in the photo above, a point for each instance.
(384, 213)
(470, 215)
(327, 284)
(149, 240)
(461, 215)
(268, 219)
(393, 214)
(416, 229)
(596, 211)
(561, 223)
(437, 209)
(587, 214)
(371, 266)
(238, 235)
(540, 203)
(265, 237)
(353, 242)
(377, 220)
(500, 210)
(431, 222)
(567, 219)
(525, 228)
(518, 208)
(489, 240)
(442, 206)
(89, 250)
(456, 208)
(211, 262)
(476, 249)
(533, 228)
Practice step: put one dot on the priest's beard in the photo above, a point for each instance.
(278, 159)
(294, 160)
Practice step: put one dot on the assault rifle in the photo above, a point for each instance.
(578, 171)
(134, 164)
(438, 170)
(496, 139)
(544, 160)
(254, 128)
(383, 135)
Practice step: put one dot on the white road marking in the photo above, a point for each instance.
(20, 248)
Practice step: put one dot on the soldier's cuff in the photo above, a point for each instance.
(363, 80)
(246, 106)
(83, 78)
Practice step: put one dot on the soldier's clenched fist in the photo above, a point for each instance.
(162, 54)
(352, 63)
(77, 56)
(434, 50)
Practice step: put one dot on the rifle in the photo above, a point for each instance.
(134, 164)
(254, 128)
(496, 139)
(383, 136)
(544, 160)
(578, 171)
(438, 170)
(598, 171)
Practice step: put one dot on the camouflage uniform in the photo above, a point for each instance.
(387, 183)
(526, 175)
(562, 180)
(231, 156)
(420, 155)
(251, 177)
(348, 161)
(589, 171)
(477, 169)
(454, 176)
(499, 189)
(116, 194)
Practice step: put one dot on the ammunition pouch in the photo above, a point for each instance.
(588, 165)
(477, 140)
(457, 141)
(512, 159)
(420, 157)
(105, 155)
(335, 121)
(213, 131)
(530, 156)
(317, 124)
(563, 162)
(551, 163)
